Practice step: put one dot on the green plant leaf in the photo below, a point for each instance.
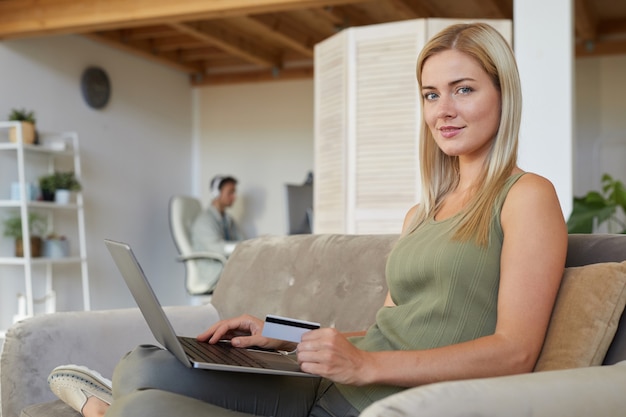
(584, 212)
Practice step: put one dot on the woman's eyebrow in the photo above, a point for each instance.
(451, 83)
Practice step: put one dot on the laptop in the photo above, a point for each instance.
(192, 353)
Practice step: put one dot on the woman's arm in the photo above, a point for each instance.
(532, 262)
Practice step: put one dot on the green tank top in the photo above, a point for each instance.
(445, 291)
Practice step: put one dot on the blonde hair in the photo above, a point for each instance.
(440, 172)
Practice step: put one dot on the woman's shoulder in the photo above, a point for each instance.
(531, 192)
(529, 182)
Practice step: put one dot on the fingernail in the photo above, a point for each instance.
(235, 342)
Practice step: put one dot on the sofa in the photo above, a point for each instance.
(338, 280)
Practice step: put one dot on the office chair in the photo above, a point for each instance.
(182, 212)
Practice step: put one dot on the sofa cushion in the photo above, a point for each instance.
(588, 308)
(335, 280)
(51, 409)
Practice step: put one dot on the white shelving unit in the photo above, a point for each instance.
(27, 162)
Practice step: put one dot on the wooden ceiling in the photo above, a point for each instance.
(225, 41)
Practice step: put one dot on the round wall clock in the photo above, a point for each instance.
(95, 87)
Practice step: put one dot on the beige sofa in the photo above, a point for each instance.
(338, 280)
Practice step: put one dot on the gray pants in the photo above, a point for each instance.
(149, 381)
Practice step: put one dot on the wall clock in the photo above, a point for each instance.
(95, 87)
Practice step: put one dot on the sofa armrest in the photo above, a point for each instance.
(96, 339)
(582, 392)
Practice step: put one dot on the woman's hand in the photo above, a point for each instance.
(327, 353)
(243, 331)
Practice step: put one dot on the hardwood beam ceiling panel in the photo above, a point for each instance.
(282, 32)
(601, 48)
(585, 21)
(167, 59)
(230, 42)
(610, 27)
(389, 11)
(419, 9)
(494, 9)
(314, 22)
(257, 40)
(260, 76)
(25, 18)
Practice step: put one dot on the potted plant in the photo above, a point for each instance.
(598, 207)
(58, 186)
(56, 246)
(27, 119)
(13, 229)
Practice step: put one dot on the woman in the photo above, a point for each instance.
(472, 280)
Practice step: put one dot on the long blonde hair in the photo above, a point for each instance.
(440, 172)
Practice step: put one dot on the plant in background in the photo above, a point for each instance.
(13, 226)
(48, 184)
(22, 115)
(37, 226)
(66, 181)
(596, 208)
(27, 120)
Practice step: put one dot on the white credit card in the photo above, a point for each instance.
(284, 328)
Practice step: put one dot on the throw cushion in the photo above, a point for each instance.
(588, 307)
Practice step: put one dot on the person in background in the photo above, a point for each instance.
(214, 230)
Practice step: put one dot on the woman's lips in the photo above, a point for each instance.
(449, 131)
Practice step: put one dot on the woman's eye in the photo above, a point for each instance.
(430, 96)
(464, 90)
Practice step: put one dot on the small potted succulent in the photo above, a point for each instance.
(13, 229)
(27, 119)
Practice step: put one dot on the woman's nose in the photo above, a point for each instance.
(445, 107)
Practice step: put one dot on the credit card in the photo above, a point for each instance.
(284, 328)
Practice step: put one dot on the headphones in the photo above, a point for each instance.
(216, 182)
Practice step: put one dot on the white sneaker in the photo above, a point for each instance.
(74, 385)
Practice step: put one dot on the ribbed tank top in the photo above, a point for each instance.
(445, 291)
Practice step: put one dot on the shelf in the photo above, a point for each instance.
(38, 204)
(54, 150)
(7, 146)
(41, 261)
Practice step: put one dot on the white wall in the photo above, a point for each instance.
(600, 132)
(543, 48)
(135, 154)
(263, 135)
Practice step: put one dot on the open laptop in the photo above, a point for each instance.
(192, 353)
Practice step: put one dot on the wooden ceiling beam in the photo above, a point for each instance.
(315, 22)
(28, 18)
(167, 59)
(609, 27)
(495, 9)
(277, 29)
(419, 8)
(176, 43)
(585, 22)
(600, 48)
(229, 42)
(149, 32)
(253, 77)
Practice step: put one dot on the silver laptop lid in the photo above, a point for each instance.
(146, 299)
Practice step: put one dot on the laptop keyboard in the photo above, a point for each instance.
(221, 353)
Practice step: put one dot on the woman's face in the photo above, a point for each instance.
(461, 104)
